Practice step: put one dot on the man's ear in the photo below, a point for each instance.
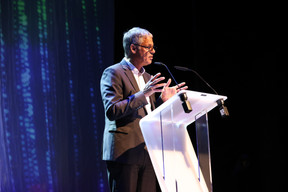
(133, 48)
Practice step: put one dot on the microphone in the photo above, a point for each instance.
(187, 69)
(183, 96)
(220, 102)
(160, 63)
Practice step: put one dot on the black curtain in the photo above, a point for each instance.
(239, 47)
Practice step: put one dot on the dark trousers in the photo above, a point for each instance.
(139, 177)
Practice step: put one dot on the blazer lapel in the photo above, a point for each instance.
(130, 75)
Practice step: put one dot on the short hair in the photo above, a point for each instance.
(133, 36)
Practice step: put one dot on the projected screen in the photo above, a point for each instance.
(51, 113)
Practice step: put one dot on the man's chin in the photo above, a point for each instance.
(149, 61)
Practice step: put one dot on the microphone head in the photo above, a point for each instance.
(159, 63)
(182, 68)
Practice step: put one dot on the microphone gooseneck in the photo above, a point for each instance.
(160, 63)
(195, 72)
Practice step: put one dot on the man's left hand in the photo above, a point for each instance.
(168, 92)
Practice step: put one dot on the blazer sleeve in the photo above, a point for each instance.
(118, 99)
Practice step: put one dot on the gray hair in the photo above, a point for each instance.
(133, 36)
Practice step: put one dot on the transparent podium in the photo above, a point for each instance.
(177, 167)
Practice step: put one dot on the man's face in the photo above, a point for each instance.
(145, 51)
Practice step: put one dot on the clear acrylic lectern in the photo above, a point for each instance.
(177, 167)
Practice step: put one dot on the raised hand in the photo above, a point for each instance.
(168, 92)
(152, 85)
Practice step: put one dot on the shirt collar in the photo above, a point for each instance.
(133, 68)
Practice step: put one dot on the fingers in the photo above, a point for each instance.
(157, 86)
(182, 88)
(157, 80)
(154, 86)
(154, 77)
(168, 83)
(180, 85)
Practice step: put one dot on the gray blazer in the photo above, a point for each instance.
(124, 107)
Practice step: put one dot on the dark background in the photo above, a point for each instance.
(238, 47)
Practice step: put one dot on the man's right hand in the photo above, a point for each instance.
(152, 85)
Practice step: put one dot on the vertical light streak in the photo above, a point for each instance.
(93, 96)
(45, 76)
(26, 117)
(72, 103)
(6, 183)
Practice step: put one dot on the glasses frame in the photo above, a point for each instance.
(149, 48)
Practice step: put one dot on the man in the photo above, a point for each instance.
(128, 95)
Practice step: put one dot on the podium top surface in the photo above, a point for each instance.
(201, 103)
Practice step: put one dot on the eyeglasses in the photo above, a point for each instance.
(149, 48)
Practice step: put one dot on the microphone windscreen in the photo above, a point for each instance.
(181, 68)
(158, 63)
